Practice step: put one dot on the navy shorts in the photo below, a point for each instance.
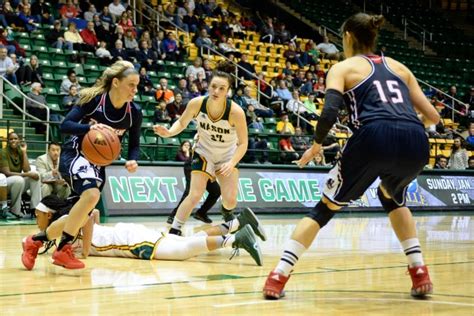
(79, 172)
(392, 150)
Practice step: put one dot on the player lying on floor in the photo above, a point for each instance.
(137, 241)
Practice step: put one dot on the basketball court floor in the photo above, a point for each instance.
(355, 267)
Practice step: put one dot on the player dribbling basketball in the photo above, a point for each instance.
(106, 105)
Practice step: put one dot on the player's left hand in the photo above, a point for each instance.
(225, 169)
(308, 155)
(131, 165)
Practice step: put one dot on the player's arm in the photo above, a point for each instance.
(237, 119)
(429, 114)
(70, 123)
(134, 136)
(87, 231)
(189, 113)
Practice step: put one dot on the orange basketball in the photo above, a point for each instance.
(101, 147)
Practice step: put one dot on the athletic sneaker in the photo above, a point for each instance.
(30, 251)
(175, 231)
(202, 217)
(247, 216)
(227, 216)
(420, 278)
(246, 239)
(273, 289)
(66, 259)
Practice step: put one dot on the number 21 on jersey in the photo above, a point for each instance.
(395, 93)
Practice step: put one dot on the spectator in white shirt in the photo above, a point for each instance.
(116, 9)
(329, 50)
(7, 68)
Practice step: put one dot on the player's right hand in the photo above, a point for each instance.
(161, 131)
(308, 155)
(100, 126)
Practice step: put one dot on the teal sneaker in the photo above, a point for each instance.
(246, 239)
(247, 216)
(227, 216)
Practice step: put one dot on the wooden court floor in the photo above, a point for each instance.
(356, 267)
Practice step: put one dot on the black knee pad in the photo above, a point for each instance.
(387, 204)
(321, 214)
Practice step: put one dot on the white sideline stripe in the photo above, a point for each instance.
(350, 299)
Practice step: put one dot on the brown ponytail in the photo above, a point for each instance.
(224, 69)
(364, 28)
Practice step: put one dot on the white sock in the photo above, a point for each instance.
(412, 249)
(228, 241)
(3, 204)
(177, 224)
(229, 227)
(291, 255)
(201, 233)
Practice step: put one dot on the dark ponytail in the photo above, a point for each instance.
(61, 206)
(364, 28)
(224, 69)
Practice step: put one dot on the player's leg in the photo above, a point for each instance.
(214, 191)
(229, 189)
(198, 185)
(174, 247)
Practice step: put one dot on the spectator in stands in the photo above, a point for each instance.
(319, 160)
(203, 40)
(175, 109)
(260, 110)
(68, 11)
(27, 19)
(320, 87)
(293, 56)
(89, 14)
(299, 142)
(130, 43)
(116, 9)
(284, 126)
(30, 72)
(453, 104)
(441, 162)
(195, 68)
(236, 29)
(299, 80)
(226, 47)
(202, 83)
(459, 155)
(10, 15)
(107, 19)
(194, 90)
(51, 179)
(182, 89)
(470, 163)
(70, 80)
(104, 54)
(89, 37)
(164, 93)
(127, 24)
(146, 57)
(470, 137)
(295, 105)
(469, 99)
(267, 32)
(329, 50)
(310, 105)
(206, 64)
(71, 99)
(72, 35)
(249, 72)
(147, 37)
(283, 91)
(7, 68)
(4, 42)
(170, 47)
(309, 81)
(119, 53)
(287, 152)
(256, 123)
(56, 39)
(191, 21)
(15, 166)
(283, 36)
(15, 63)
(157, 42)
(257, 147)
(36, 107)
(41, 12)
(312, 52)
(161, 113)
(239, 98)
(145, 86)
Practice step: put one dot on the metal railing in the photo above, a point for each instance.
(23, 108)
(417, 30)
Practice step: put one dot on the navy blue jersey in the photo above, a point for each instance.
(383, 95)
(101, 110)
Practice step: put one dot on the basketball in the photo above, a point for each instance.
(101, 147)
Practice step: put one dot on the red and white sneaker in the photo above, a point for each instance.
(421, 281)
(65, 258)
(273, 289)
(30, 251)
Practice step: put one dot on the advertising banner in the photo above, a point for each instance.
(158, 189)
